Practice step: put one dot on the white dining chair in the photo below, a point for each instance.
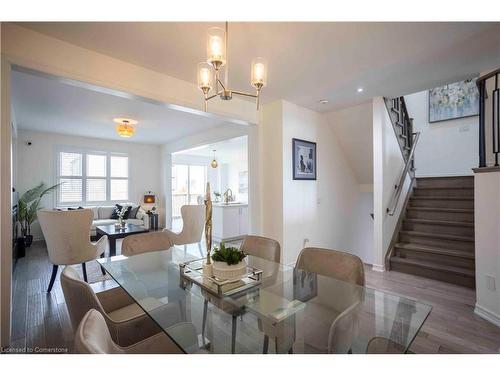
(67, 235)
(93, 337)
(146, 242)
(126, 320)
(193, 223)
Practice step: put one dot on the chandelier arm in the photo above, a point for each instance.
(226, 70)
(211, 97)
(244, 94)
(220, 83)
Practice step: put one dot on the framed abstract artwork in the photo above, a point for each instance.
(456, 100)
(304, 159)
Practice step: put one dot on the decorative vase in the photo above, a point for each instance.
(208, 269)
(28, 240)
(122, 223)
(224, 271)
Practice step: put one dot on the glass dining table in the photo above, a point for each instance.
(285, 310)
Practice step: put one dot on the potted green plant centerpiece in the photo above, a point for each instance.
(29, 204)
(228, 262)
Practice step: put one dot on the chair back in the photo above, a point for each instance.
(78, 295)
(146, 242)
(332, 263)
(67, 234)
(93, 337)
(344, 329)
(262, 247)
(193, 223)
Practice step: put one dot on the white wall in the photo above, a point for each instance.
(323, 211)
(487, 244)
(36, 163)
(354, 129)
(446, 148)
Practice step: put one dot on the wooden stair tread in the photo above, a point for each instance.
(434, 266)
(438, 235)
(443, 209)
(444, 198)
(441, 222)
(435, 250)
(443, 188)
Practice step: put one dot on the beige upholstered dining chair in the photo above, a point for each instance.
(126, 320)
(67, 234)
(262, 247)
(257, 246)
(193, 222)
(347, 268)
(93, 337)
(146, 242)
(332, 263)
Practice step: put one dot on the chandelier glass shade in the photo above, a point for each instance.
(209, 72)
(125, 127)
(214, 164)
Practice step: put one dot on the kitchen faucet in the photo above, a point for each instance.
(227, 196)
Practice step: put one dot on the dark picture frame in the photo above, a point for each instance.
(304, 162)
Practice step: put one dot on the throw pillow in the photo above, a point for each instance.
(133, 212)
(117, 209)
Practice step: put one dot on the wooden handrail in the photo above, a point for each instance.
(486, 76)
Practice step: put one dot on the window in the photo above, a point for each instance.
(188, 183)
(91, 177)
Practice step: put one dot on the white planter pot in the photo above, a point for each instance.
(223, 271)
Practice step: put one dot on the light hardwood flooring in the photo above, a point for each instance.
(40, 320)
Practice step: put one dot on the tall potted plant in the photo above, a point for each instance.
(29, 204)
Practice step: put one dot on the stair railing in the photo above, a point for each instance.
(402, 124)
(391, 210)
(495, 117)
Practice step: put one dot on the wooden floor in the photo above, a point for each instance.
(40, 320)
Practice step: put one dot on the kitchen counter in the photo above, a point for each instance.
(230, 221)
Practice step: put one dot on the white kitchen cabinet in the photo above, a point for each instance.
(229, 221)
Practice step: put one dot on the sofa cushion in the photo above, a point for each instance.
(133, 211)
(105, 212)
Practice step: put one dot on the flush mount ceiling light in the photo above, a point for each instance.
(360, 89)
(323, 101)
(125, 127)
(214, 163)
(217, 58)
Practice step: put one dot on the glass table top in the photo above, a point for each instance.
(288, 310)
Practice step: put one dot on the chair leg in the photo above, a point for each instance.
(102, 268)
(204, 322)
(84, 269)
(52, 277)
(233, 334)
(265, 347)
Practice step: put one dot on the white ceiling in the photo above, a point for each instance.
(308, 61)
(48, 105)
(226, 151)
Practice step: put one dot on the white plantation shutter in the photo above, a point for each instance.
(96, 190)
(119, 190)
(96, 165)
(91, 177)
(70, 190)
(119, 166)
(70, 164)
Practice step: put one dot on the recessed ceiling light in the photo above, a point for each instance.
(323, 101)
(360, 89)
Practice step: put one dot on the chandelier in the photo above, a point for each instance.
(209, 72)
(214, 162)
(125, 127)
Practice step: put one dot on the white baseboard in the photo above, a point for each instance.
(487, 315)
(378, 268)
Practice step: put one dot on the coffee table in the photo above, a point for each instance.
(114, 233)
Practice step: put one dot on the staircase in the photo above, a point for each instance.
(436, 239)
